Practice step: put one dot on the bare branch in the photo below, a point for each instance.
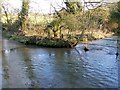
(6, 14)
(56, 11)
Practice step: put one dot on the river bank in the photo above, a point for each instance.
(55, 42)
(42, 41)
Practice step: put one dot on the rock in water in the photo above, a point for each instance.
(86, 49)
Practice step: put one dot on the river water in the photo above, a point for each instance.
(37, 67)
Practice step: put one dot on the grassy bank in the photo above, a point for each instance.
(41, 41)
(54, 42)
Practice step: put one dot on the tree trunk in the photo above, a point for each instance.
(55, 34)
(24, 14)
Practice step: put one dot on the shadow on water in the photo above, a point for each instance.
(65, 68)
(56, 65)
(70, 68)
(29, 68)
(5, 71)
(13, 74)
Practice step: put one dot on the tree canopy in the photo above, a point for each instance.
(115, 17)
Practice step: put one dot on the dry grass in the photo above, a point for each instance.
(33, 18)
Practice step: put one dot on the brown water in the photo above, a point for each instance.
(31, 66)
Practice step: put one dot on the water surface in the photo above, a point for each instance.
(32, 66)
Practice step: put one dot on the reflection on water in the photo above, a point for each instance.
(51, 67)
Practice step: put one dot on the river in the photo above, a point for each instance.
(36, 67)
